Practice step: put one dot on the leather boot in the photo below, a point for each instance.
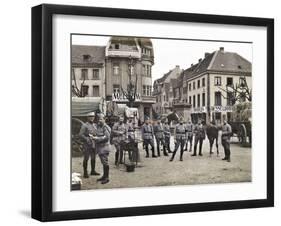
(194, 151)
(86, 175)
(181, 155)
(93, 166)
(121, 157)
(158, 150)
(165, 152)
(116, 157)
(173, 156)
(106, 175)
(103, 176)
(153, 154)
(146, 150)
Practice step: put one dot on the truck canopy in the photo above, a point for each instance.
(82, 106)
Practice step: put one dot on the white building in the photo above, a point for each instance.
(207, 81)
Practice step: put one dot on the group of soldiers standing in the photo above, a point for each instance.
(183, 137)
(97, 137)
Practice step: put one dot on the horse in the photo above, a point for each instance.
(212, 134)
(173, 117)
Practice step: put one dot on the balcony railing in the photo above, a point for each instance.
(123, 53)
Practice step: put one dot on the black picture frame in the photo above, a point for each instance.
(42, 107)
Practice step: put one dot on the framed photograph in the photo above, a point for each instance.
(146, 112)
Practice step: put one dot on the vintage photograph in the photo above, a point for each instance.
(152, 111)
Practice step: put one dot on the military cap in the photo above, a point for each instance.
(101, 116)
(91, 114)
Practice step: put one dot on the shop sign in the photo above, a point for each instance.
(120, 97)
(221, 109)
(199, 110)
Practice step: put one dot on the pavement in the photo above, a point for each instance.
(160, 171)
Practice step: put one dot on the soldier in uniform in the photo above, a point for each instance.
(131, 129)
(134, 154)
(200, 136)
(147, 136)
(159, 136)
(102, 139)
(119, 132)
(189, 135)
(180, 136)
(167, 135)
(225, 139)
(86, 130)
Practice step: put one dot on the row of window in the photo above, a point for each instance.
(146, 69)
(198, 100)
(199, 84)
(159, 98)
(217, 82)
(85, 91)
(85, 74)
(218, 99)
(146, 90)
(146, 51)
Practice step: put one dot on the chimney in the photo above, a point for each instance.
(222, 49)
(200, 60)
(207, 54)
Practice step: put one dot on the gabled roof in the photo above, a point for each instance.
(219, 61)
(96, 55)
(162, 79)
(229, 61)
(203, 64)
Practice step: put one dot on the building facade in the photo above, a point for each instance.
(129, 61)
(208, 82)
(88, 71)
(163, 91)
(203, 91)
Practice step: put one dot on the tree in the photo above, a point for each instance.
(77, 91)
(131, 92)
(238, 93)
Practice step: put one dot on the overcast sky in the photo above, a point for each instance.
(169, 53)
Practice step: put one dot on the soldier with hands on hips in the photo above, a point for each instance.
(88, 129)
(102, 138)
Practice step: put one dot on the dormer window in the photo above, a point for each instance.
(239, 67)
(116, 46)
(86, 57)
